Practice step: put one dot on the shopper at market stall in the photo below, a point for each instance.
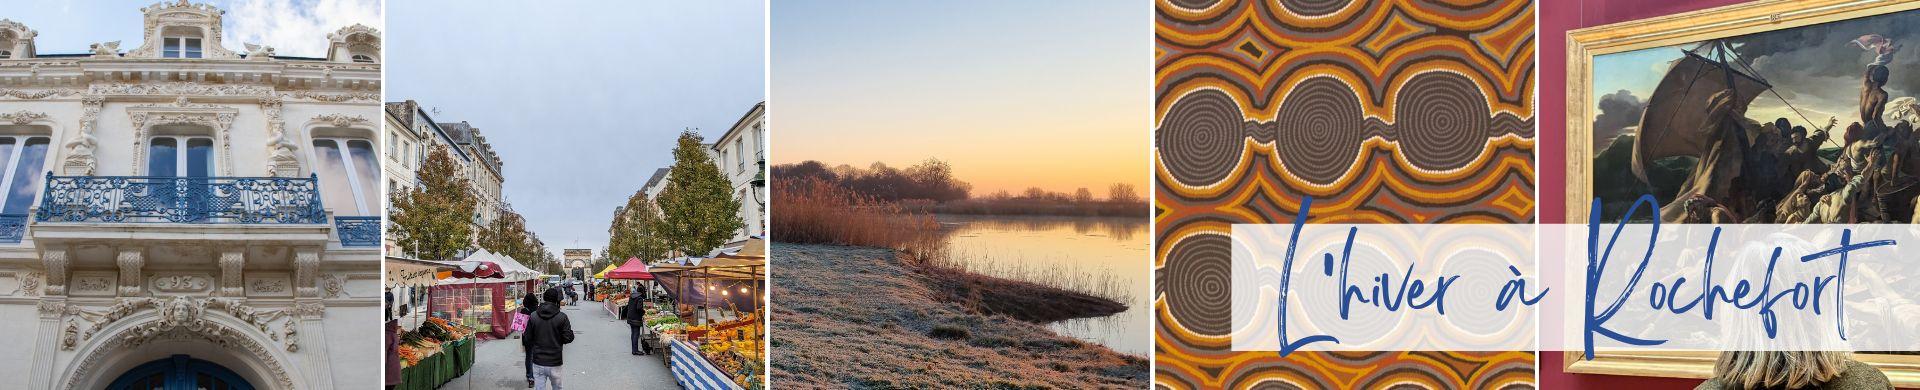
(547, 333)
(522, 317)
(636, 314)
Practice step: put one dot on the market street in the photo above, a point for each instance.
(598, 358)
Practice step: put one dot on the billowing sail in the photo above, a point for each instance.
(1675, 122)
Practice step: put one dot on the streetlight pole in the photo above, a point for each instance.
(759, 183)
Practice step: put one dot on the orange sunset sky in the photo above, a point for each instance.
(1068, 109)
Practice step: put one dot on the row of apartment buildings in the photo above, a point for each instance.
(412, 133)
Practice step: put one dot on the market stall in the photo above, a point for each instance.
(615, 295)
(427, 352)
(480, 300)
(716, 317)
(604, 291)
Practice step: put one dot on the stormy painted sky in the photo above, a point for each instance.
(1815, 68)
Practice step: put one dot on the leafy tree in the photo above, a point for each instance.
(1083, 195)
(1122, 193)
(507, 235)
(698, 208)
(634, 232)
(435, 219)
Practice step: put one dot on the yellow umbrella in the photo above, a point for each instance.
(603, 273)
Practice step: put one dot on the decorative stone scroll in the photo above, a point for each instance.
(333, 97)
(179, 88)
(343, 120)
(267, 286)
(55, 260)
(181, 284)
(130, 261)
(306, 271)
(232, 260)
(22, 117)
(23, 94)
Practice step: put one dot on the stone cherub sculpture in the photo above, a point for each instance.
(259, 52)
(106, 49)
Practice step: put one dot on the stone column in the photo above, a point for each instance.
(312, 333)
(130, 261)
(231, 282)
(46, 348)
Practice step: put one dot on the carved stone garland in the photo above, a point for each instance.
(21, 117)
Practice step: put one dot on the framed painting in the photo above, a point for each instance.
(1742, 114)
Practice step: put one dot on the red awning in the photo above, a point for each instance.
(476, 269)
(633, 269)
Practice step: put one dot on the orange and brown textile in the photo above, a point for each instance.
(1383, 112)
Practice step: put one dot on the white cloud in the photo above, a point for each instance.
(296, 28)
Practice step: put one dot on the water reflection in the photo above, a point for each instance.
(1102, 255)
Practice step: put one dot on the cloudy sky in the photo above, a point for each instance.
(1816, 68)
(582, 101)
(293, 28)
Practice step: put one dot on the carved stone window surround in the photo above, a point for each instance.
(182, 112)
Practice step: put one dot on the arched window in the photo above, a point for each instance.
(6, 54)
(180, 372)
(362, 58)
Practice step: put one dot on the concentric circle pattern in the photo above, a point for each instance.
(1390, 111)
(1315, 7)
(1198, 284)
(1319, 129)
(1202, 136)
(1442, 120)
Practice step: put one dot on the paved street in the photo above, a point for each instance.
(598, 358)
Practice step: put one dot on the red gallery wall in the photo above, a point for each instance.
(1556, 18)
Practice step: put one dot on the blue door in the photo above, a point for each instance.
(179, 372)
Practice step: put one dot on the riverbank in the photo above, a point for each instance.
(865, 318)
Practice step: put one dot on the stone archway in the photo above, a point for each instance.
(175, 326)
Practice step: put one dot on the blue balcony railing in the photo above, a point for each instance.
(13, 227)
(249, 200)
(357, 231)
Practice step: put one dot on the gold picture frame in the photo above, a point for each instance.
(1728, 21)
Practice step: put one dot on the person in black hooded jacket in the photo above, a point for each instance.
(528, 303)
(636, 313)
(547, 332)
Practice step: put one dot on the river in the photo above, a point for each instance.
(1103, 255)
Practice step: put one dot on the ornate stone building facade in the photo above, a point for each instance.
(178, 207)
